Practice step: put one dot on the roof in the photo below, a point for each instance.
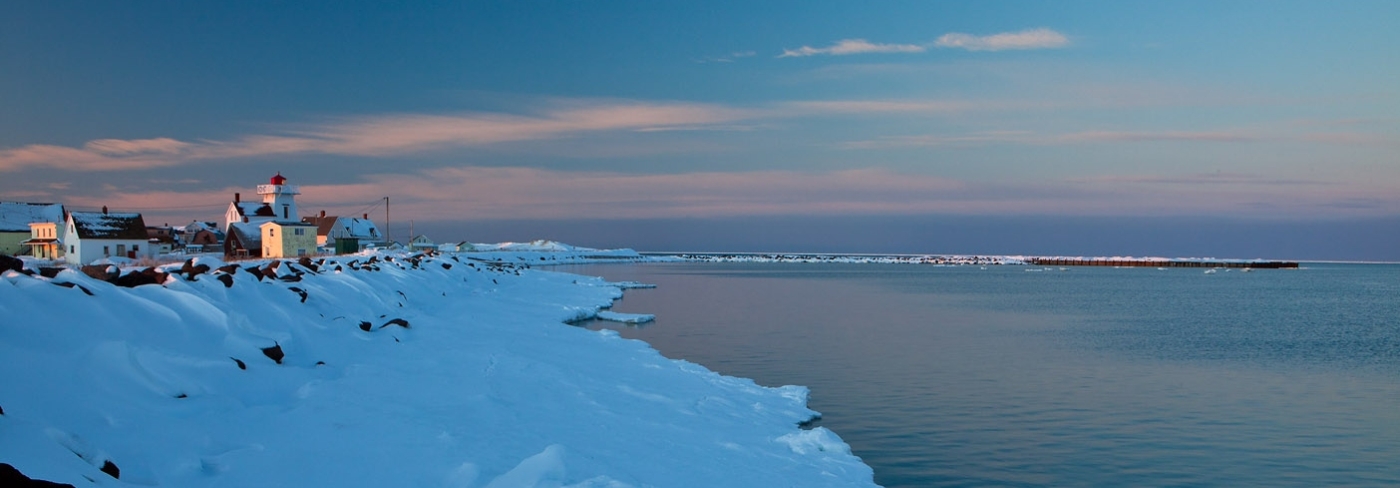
(16, 216)
(286, 223)
(254, 209)
(323, 224)
(351, 227)
(247, 233)
(112, 225)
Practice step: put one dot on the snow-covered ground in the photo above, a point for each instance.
(934, 259)
(378, 370)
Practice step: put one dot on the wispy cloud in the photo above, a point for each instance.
(1042, 38)
(378, 135)
(480, 193)
(728, 58)
(851, 46)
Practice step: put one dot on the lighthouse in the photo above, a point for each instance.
(281, 197)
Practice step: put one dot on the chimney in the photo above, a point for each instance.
(104, 210)
(245, 219)
(366, 216)
(323, 214)
(235, 197)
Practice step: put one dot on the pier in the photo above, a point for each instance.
(1159, 263)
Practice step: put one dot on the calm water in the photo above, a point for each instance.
(1086, 377)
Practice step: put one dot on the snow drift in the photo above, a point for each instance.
(374, 370)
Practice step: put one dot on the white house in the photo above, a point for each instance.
(45, 240)
(463, 246)
(90, 236)
(421, 242)
(330, 229)
(15, 218)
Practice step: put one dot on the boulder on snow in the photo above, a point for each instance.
(101, 272)
(274, 353)
(192, 270)
(9, 476)
(8, 263)
(148, 276)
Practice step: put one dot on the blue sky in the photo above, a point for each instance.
(477, 117)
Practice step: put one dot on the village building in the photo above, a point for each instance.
(163, 239)
(45, 240)
(244, 240)
(286, 239)
(345, 235)
(15, 218)
(201, 236)
(463, 246)
(421, 242)
(90, 236)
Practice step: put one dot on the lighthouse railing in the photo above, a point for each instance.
(279, 190)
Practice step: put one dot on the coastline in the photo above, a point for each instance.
(466, 376)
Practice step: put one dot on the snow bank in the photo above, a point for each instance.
(375, 370)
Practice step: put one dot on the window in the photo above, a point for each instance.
(70, 249)
(301, 252)
(272, 232)
(106, 251)
(135, 247)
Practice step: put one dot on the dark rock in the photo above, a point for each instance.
(299, 291)
(256, 271)
(446, 266)
(71, 285)
(274, 353)
(399, 322)
(320, 363)
(101, 272)
(230, 268)
(8, 263)
(9, 476)
(338, 268)
(271, 270)
(148, 276)
(291, 278)
(110, 468)
(182, 395)
(190, 270)
(2, 411)
(227, 280)
(48, 272)
(240, 363)
(366, 326)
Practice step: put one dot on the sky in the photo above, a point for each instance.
(1142, 128)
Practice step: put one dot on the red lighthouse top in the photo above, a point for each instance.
(278, 179)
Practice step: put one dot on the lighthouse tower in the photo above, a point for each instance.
(281, 197)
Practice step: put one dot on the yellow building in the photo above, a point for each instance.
(287, 239)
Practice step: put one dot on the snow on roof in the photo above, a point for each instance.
(16, 216)
(248, 233)
(254, 209)
(110, 225)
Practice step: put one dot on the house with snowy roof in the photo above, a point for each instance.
(421, 242)
(200, 236)
(90, 236)
(345, 234)
(15, 218)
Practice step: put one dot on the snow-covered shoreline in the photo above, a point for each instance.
(386, 369)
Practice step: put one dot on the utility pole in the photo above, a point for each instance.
(388, 229)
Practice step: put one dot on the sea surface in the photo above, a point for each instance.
(1019, 376)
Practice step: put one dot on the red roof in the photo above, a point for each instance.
(278, 179)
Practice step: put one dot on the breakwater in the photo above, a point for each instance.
(1159, 263)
